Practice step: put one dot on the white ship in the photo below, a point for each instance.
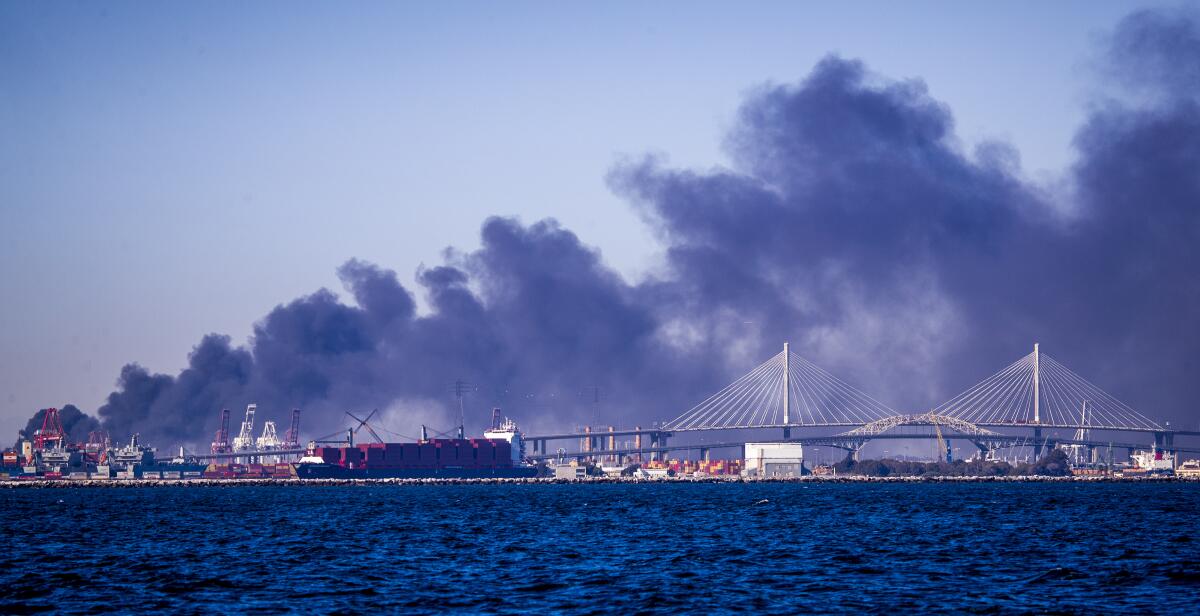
(1190, 469)
(1153, 462)
(507, 430)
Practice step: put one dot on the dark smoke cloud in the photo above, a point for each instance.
(1157, 51)
(179, 409)
(851, 222)
(530, 320)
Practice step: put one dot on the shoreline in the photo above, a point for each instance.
(193, 483)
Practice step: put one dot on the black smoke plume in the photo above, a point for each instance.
(851, 222)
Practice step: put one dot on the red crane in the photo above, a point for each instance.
(291, 440)
(96, 449)
(220, 442)
(52, 431)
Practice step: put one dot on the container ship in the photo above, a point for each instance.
(499, 454)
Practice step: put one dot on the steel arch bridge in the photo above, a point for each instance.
(984, 439)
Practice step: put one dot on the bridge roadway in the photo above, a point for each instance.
(669, 431)
(841, 443)
(1164, 438)
(539, 441)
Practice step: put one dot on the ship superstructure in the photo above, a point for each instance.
(1153, 462)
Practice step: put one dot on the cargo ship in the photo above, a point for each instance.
(499, 454)
(1153, 462)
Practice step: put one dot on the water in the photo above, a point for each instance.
(604, 548)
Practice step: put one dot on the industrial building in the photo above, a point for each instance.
(764, 460)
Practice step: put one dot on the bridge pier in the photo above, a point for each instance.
(657, 440)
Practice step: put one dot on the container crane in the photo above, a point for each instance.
(51, 432)
(291, 439)
(245, 438)
(269, 441)
(220, 442)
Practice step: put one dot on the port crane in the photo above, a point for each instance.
(52, 431)
(362, 423)
(220, 442)
(291, 439)
(245, 439)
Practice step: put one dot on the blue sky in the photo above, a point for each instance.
(170, 170)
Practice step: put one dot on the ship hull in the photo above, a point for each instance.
(332, 471)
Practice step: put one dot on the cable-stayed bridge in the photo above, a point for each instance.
(785, 391)
(1036, 394)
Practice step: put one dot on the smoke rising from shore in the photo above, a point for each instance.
(851, 223)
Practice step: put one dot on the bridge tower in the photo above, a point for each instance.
(787, 402)
(1037, 418)
(1038, 443)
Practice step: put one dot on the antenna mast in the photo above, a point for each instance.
(461, 388)
(595, 391)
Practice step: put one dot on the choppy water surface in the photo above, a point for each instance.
(604, 548)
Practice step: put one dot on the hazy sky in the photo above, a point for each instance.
(169, 170)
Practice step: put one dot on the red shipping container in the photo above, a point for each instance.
(480, 454)
(447, 453)
(411, 457)
(503, 454)
(427, 457)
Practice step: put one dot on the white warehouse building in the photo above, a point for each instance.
(774, 460)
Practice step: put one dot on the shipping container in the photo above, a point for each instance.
(411, 455)
(427, 455)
